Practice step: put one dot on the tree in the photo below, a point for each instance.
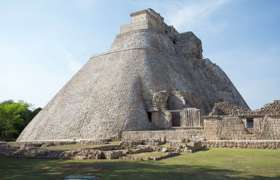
(14, 116)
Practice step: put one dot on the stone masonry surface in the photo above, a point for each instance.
(113, 91)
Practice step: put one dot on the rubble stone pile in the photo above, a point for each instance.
(124, 150)
(271, 108)
(226, 108)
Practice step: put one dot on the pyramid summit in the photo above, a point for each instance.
(151, 73)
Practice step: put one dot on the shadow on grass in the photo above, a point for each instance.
(117, 170)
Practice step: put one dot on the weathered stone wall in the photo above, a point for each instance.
(168, 135)
(211, 127)
(161, 119)
(189, 45)
(255, 144)
(165, 119)
(267, 127)
(234, 127)
(190, 117)
(225, 128)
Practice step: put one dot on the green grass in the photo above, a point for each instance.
(212, 164)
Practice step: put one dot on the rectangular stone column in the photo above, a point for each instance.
(190, 117)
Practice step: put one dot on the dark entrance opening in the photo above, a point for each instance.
(175, 119)
(249, 122)
(149, 114)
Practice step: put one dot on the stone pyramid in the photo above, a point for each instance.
(149, 67)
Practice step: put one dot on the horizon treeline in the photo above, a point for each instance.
(14, 117)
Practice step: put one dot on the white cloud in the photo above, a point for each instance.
(190, 15)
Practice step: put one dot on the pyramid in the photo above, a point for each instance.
(149, 67)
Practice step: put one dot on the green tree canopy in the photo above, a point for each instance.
(14, 116)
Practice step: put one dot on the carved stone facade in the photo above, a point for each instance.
(169, 109)
(226, 126)
(235, 123)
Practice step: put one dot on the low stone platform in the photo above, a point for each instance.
(174, 134)
(254, 144)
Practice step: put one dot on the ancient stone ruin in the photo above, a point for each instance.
(153, 84)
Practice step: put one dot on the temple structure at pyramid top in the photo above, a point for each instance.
(145, 19)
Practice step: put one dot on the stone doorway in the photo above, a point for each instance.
(175, 119)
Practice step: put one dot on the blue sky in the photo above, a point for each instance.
(44, 42)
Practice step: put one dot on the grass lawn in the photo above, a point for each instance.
(212, 164)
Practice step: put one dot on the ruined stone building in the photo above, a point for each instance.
(152, 80)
